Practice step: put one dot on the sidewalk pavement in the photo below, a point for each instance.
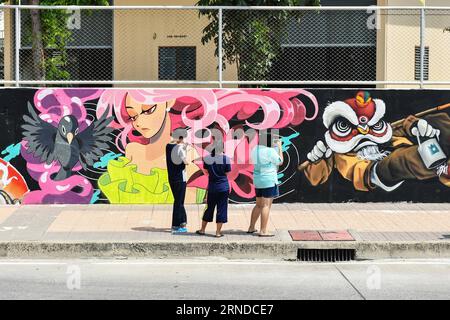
(26, 229)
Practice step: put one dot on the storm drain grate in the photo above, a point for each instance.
(326, 255)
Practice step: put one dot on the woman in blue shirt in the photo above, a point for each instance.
(217, 165)
(266, 161)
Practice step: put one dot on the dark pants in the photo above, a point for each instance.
(179, 217)
(219, 200)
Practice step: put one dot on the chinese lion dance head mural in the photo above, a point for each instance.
(357, 125)
(374, 154)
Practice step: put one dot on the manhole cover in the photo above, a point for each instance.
(312, 235)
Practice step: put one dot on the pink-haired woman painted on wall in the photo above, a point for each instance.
(142, 117)
(146, 118)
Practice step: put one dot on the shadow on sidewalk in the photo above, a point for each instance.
(166, 230)
(192, 234)
(151, 229)
(238, 233)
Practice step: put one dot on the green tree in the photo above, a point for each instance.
(48, 33)
(251, 38)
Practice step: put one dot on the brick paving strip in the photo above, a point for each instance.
(363, 223)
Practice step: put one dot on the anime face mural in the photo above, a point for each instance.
(374, 154)
(145, 120)
(86, 145)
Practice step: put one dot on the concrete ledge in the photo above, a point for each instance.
(232, 250)
(388, 250)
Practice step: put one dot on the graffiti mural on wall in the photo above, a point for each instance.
(372, 153)
(84, 146)
(145, 119)
(12, 185)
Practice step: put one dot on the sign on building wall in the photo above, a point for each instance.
(86, 146)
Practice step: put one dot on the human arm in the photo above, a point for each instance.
(276, 154)
(280, 151)
(183, 154)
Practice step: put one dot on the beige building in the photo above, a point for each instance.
(163, 44)
(166, 45)
(398, 44)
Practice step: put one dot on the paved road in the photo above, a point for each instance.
(216, 278)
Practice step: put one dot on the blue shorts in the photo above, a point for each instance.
(268, 193)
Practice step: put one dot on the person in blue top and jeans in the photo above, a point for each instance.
(216, 166)
(266, 161)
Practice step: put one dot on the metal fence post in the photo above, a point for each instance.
(220, 47)
(18, 28)
(422, 47)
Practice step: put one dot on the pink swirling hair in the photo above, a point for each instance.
(201, 108)
(198, 109)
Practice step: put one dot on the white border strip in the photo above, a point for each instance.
(261, 82)
(308, 8)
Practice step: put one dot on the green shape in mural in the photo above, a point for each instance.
(122, 184)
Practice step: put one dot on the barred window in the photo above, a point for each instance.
(426, 63)
(177, 63)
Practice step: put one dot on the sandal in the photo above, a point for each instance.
(252, 232)
(269, 235)
(200, 233)
(218, 236)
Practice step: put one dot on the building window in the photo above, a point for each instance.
(328, 46)
(426, 64)
(89, 51)
(177, 63)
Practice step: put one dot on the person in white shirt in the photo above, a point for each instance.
(176, 157)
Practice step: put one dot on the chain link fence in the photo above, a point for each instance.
(437, 45)
(225, 46)
(7, 46)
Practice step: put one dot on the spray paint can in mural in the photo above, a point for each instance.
(431, 153)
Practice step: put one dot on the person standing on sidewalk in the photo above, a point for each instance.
(266, 161)
(176, 158)
(216, 166)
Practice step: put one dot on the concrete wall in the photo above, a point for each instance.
(125, 161)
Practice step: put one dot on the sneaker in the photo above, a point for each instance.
(180, 230)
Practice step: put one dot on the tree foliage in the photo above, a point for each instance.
(49, 35)
(251, 38)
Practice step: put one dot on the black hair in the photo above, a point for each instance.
(218, 146)
(179, 134)
(264, 138)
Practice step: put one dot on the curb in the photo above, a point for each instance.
(232, 250)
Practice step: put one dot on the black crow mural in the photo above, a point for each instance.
(65, 144)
